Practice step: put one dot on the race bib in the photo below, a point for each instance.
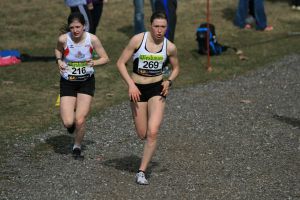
(150, 65)
(78, 71)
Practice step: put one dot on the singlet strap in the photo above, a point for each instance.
(86, 41)
(143, 45)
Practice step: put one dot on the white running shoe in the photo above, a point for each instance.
(141, 179)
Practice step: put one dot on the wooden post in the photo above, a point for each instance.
(208, 65)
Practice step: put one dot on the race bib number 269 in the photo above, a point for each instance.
(150, 61)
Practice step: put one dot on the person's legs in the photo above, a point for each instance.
(260, 16)
(140, 116)
(295, 4)
(147, 117)
(241, 13)
(139, 26)
(156, 106)
(82, 109)
(172, 19)
(96, 16)
(251, 7)
(67, 106)
(152, 2)
(250, 20)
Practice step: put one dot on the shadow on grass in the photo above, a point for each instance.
(63, 144)
(229, 14)
(292, 121)
(127, 30)
(30, 58)
(195, 54)
(129, 163)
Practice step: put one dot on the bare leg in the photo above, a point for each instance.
(67, 106)
(155, 110)
(82, 109)
(140, 117)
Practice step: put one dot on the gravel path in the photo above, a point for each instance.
(235, 139)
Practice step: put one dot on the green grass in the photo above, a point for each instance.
(29, 90)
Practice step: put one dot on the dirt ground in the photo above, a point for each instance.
(235, 139)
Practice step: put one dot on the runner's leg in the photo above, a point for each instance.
(139, 113)
(156, 107)
(82, 109)
(67, 106)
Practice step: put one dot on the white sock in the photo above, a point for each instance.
(76, 146)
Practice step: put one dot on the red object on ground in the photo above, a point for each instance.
(9, 60)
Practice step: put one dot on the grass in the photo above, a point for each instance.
(29, 90)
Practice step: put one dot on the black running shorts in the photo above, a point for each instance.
(150, 90)
(71, 88)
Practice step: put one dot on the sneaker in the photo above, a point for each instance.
(71, 129)
(141, 179)
(76, 152)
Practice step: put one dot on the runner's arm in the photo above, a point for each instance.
(127, 53)
(103, 57)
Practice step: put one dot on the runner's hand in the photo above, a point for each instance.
(166, 87)
(90, 62)
(134, 93)
(61, 65)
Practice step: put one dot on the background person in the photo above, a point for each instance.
(139, 25)
(296, 4)
(77, 83)
(169, 7)
(96, 8)
(146, 88)
(81, 6)
(259, 15)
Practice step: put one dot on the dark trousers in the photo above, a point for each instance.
(169, 7)
(96, 16)
(258, 10)
(296, 2)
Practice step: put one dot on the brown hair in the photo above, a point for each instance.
(158, 15)
(72, 17)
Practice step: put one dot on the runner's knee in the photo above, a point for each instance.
(80, 121)
(68, 123)
(152, 135)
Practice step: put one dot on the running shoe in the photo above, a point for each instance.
(71, 129)
(76, 152)
(141, 179)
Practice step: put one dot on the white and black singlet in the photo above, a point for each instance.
(76, 57)
(149, 64)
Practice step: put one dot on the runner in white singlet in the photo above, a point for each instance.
(146, 88)
(147, 63)
(77, 84)
(76, 57)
